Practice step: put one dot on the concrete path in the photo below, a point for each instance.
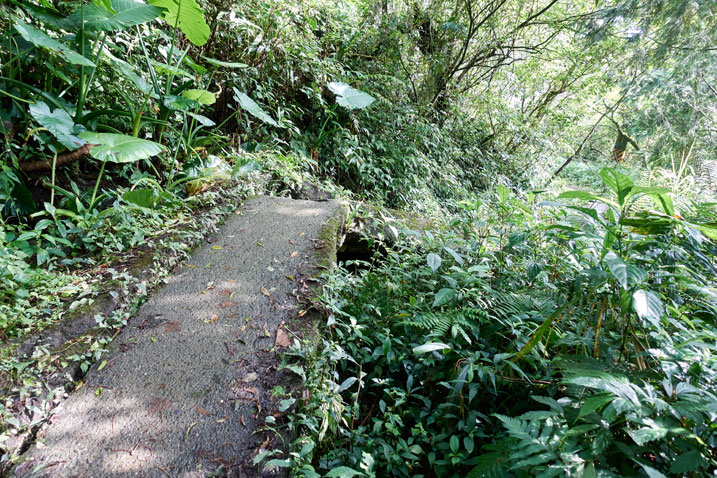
(189, 379)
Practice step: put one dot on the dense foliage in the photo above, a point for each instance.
(542, 330)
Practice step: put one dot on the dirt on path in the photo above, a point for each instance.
(190, 378)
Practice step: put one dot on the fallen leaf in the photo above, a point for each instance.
(282, 338)
(171, 326)
(302, 313)
(191, 266)
(213, 318)
(290, 277)
(227, 303)
(250, 377)
(221, 420)
(241, 419)
(224, 291)
(293, 254)
(302, 233)
(265, 292)
(201, 410)
(291, 241)
(216, 248)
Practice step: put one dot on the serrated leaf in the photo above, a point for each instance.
(349, 97)
(41, 40)
(647, 434)
(252, 108)
(120, 148)
(187, 16)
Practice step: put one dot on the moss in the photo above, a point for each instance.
(330, 236)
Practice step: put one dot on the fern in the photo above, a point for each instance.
(463, 322)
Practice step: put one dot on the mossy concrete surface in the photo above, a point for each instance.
(189, 380)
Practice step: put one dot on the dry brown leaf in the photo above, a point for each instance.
(224, 292)
(227, 303)
(291, 241)
(213, 318)
(201, 410)
(241, 419)
(293, 254)
(302, 313)
(265, 292)
(221, 420)
(250, 377)
(171, 326)
(282, 338)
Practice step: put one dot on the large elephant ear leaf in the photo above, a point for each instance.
(41, 40)
(120, 148)
(349, 97)
(252, 108)
(59, 123)
(186, 15)
(122, 14)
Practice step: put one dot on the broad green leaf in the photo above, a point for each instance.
(585, 196)
(202, 96)
(430, 347)
(126, 14)
(648, 306)
(168, 70)
(145, 198)
(59, 123)
(627, 274)
(651, 472)
(120, 148)
(252, 108)
(126, 70)
(444, 296)
(647, 434)
(179, 103)
(685, 463)
(618, 182)
(434, 261)
(594, 403)
(188, 16)
(342, 472)
(349, 97)
(225, 64)
(203, 120)
(503, 193)
(41, 40)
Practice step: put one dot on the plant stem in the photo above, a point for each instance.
(52, 191)
(97, 184)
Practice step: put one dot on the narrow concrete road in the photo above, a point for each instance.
(189, 379)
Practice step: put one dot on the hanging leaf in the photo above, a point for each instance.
(434, 261)
(123, 14)
(40, 40)
(202, 96)
(648, 306)
(252, 108)
(627, 274)
(59, 123)
(120, 148)
(430, 347)
(224, 64)
(349, 97)
(187, 16)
